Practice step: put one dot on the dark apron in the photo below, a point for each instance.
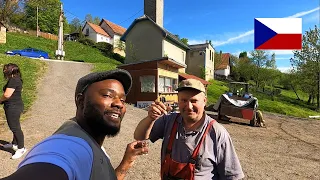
(173, 170)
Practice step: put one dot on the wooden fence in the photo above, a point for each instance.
(44, 35)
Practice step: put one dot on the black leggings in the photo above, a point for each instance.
(13, 118)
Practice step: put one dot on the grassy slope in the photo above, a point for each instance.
(74, 51)
(286, 103)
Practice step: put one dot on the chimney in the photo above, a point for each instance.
(154, 9)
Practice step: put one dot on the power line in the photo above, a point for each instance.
(132, 16)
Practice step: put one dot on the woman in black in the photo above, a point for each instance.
(13, 107)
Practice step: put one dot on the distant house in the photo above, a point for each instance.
(3, 33)
(106, 31)
(200, 61)
(223, 68)
(115, 32)
(95, 33)
(147, 39)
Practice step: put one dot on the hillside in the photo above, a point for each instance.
(74, 51)
(286, 103)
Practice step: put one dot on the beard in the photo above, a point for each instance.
(97, 122)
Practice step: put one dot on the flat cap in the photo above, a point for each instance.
(121, 75)
(191, 84)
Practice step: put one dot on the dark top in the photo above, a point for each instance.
(15, 98)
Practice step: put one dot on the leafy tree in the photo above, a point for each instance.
(120, 45)
(8, 8)
(96, 20)
(243, 54)
(272, 62)
(259, 59)
(75, 25)
(307, 63)
(185, 41)
(49, 12)
(89, 18)
(217, 59)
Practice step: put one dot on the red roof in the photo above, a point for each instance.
(116, 28)
(224, 61)
(189, 76)
(98, 29)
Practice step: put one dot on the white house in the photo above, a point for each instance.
(224, 67)
(106, 31)
(95, 33)
(115, 32)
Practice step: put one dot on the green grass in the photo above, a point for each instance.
(32, 70)
(286, 103)
(74, 51)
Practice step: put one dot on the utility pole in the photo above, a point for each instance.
(37, 22)
(60, 53)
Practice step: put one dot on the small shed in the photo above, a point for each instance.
(3, 33)
(153, 79)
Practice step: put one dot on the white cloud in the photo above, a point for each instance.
(283, 58)
(284, 69)
(282, 52)
(300, 14)
(248, 36)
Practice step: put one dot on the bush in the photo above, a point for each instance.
(105, 48)
(118, 57)
(87, 42)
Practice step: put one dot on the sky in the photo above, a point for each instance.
(227, 23)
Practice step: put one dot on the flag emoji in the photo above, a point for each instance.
(278, 33)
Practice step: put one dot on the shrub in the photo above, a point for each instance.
(87, 42)
(118, 57)
(105, 48)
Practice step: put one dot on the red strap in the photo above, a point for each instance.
(196, 150)
(172, 135)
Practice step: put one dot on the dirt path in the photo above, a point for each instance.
(286, 149)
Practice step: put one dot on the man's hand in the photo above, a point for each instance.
(133, 150)
(157, 109)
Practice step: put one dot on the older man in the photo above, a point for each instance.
(75, 151)
(195, 146)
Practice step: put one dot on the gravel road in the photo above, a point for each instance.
(285, 149)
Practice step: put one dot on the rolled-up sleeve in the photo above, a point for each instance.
(157, 131)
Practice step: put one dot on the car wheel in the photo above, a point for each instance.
(17, 54)
(41, 57)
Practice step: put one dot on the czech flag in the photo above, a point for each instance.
(278, 33)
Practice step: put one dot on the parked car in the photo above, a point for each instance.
(29, 52)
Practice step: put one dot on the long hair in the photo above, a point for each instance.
(11, 70)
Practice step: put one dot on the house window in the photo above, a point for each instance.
(147, 84)
(167, 84)
(210, 55)
(101, 38)
(87, 31)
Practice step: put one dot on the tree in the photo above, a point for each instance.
(307, 63)
(243, 54)
(272, 62)
(185, 41)
(120, 45)
(49, 12)
(89, 18)
(217, 59)
(96, 20)
(7, 9)
(75, 25)
(259, 59)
